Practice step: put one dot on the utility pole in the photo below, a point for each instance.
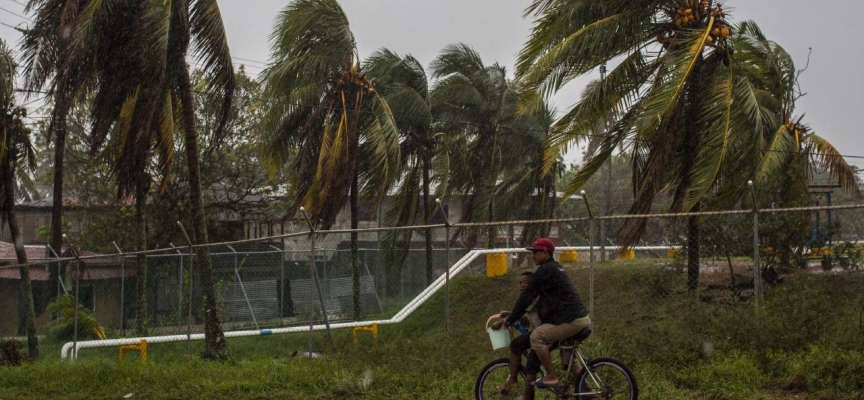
(607, 189)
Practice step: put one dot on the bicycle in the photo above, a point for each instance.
(599, 378)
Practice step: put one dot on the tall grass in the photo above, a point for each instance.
(806, 343)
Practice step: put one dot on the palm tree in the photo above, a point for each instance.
(403, 82)
(107, 50)
(16, 156)
(44, 61)
(670, 98)
(474, 106)
(524, 188)
(327, 110)
(790, 139)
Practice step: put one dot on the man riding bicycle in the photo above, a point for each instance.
(559, 307)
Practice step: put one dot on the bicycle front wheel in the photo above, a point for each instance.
(609, 379)
(494, 374)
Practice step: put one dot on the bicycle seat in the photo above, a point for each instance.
(579, 337)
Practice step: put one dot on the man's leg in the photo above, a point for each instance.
(545, 358)
(548, 334)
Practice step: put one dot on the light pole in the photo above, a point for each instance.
(607, 189)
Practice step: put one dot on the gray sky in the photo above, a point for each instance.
(833, 82)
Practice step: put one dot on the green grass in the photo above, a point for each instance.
(806, 344)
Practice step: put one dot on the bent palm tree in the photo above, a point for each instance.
(525, 189)
(16, 156)
(475, 106)
(789, 139)
(327, 110)
(110, 49)
(404, 84)
(670, 98)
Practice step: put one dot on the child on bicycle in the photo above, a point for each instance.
(521, 344)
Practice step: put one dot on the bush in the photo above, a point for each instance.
(63, 327)
(10, 353)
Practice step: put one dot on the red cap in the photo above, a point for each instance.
(543, 244)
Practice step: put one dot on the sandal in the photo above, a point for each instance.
(540, 384)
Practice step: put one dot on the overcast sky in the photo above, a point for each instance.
(834, 81)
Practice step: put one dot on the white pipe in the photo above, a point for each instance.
(399, 317)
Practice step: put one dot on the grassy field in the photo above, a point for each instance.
(806, 344)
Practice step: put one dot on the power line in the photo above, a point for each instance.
(16, 2)
(13, 27)
(34, 100)
(15, 14)
(248, 60)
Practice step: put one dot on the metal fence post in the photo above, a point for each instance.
(189, 308)
(591, 254)
(77, 292)
(282, 279)
(757, 270)
(446, 271)
(60, 284)
(314, 280)
(179, 286)
(122, 289)
(243, 288)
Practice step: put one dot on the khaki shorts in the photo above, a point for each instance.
(548, 334)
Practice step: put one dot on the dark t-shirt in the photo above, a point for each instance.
(559, 301)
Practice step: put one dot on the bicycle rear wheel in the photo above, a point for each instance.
(610, 379)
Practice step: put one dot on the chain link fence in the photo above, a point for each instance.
(326, 277)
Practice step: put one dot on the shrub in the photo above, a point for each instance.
(10, 353)
(63, 326)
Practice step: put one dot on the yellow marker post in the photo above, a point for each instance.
(496, 265)
(140, 348)
(373, 329)
(569, 256)
(627, 255)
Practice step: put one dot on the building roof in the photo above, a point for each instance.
(36, 253)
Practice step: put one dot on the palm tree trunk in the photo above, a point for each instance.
(693, 250)
(427, 212)
(26, 306)
(355, 256)
(215, 347)
(693, 109)
(141, 259)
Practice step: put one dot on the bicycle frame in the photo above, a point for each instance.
(576, 355)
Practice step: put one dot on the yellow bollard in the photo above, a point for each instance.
(569, 256)
(140, 348)
(627, 255)
(373, 329)
(496, 265)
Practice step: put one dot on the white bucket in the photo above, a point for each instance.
(500, 338)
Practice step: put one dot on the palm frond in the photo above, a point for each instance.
(713, 147)
(211, 49)
(587, 47)
(827, 157)
(661, 100)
